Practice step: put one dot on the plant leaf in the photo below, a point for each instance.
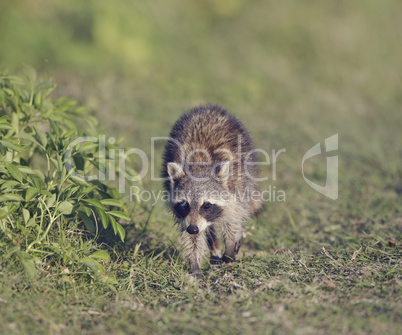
(113, 223)
(29, 267)
(100, 254)
(51, 201)
(26, 215)
(41, 136)
(12, 146)
(103, 217)
(121, 232)
(15, 172)
(31, 192)
(88, 222)
(65, 207)
(27, 137)
(11, 197)
(95, 203)
(92, 264)
(3, 214)
(111, 202)
(120, 215)
(5, 125)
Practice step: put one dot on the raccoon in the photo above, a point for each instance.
(209, 171)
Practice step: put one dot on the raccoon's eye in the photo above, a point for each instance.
(206, 205)
(182, 208)
(211, 212)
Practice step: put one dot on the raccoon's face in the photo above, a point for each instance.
(195, 216)
(197, 204)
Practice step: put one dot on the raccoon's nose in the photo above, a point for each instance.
(192, 229)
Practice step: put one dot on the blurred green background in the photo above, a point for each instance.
(141, 59)
(296, 72)
(292, 70)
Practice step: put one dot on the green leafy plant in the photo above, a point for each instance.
(44, 191)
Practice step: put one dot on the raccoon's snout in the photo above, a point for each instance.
(191, 229)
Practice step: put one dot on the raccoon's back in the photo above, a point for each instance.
(209, 134)
(208, 129)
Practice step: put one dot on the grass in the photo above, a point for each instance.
(295, 74)
(305, 292)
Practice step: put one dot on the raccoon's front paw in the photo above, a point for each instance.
(198, 276)
(228, 259)
(215, 261)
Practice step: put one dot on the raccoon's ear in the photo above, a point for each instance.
(222, 171)
(175, 171)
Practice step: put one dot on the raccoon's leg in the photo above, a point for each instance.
(233, 236)
(213, 244)
(257, 206)
(194, 248)
(196, 271)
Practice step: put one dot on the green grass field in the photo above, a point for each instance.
(295, 73)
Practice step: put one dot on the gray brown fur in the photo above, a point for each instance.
(210, 144)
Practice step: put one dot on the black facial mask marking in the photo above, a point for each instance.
(182, 208)
(210, 212)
